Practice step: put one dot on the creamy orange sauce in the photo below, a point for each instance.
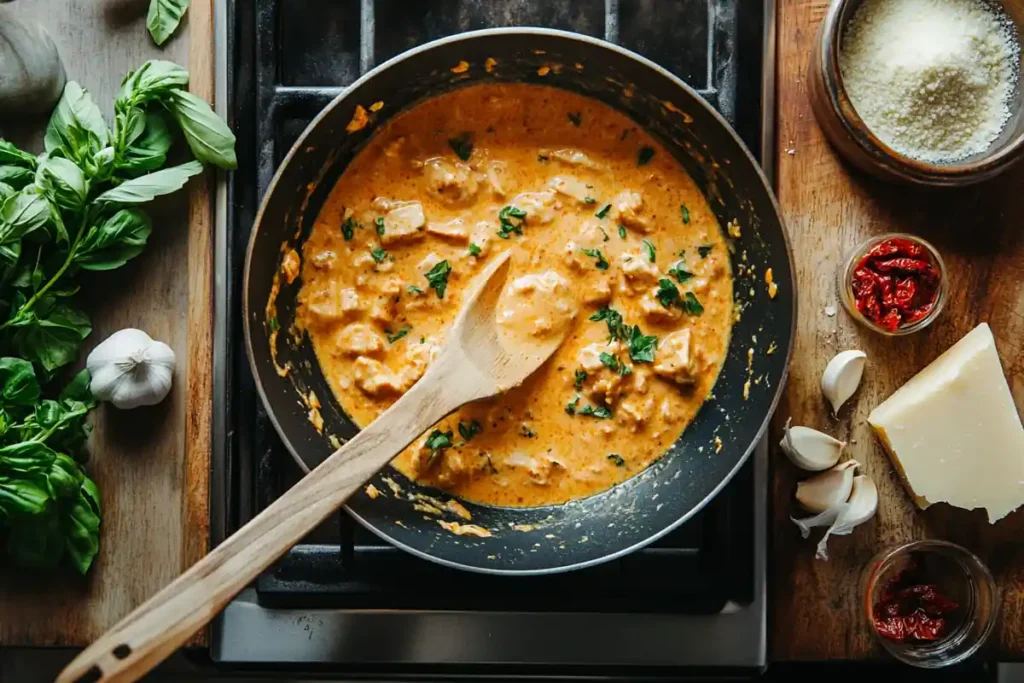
(598, 217)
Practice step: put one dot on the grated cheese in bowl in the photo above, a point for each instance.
(933, 79)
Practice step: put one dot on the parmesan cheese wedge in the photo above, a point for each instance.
(953, 431)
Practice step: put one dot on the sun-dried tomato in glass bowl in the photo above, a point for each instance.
(894, 284)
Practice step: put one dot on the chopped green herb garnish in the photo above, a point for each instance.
(274, 325)
(469, 429)
(581, 376)
(601, 412)
(437, 278)
(645, 156)
(667, 293)
(439, 440)
(380, 225)
(605, 234)
(570, 407)
(602, 263)
(617, 329)
(704, 250)
(462, 145)
(474, 249)
(603, 211)
(642, 347)
(617, 459)
(413, 289)
(511, 220)
(392, 338)
(691, 305)
(622, 231)
(542, 158)
(679, 273)
(609, 361)
(378, 254)
(686, 213)
(576, 118)
(589, 200)
(348, 228)
(649, 248)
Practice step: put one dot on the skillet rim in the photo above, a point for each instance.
(601, 44)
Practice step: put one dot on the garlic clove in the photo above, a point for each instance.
(828, 489)
(842, 518)
(810, 449)
(842, 377)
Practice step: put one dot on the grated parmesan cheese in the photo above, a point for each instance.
(931, 78)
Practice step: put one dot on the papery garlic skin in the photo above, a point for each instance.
(828, 489)
(810, 449)
(130, 369)
(842, 377)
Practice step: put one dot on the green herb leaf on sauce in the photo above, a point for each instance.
(437, 442)
(617, 459)
(667, 293)
(603, 211)
(601, 412)
(606, 238)
(609, 361)
(413, 289)
(679, 273)
(274, 325)
(704, 250)
(379, 222)
(580, 377)
(686, 214)
(622, 231)
(645, 156)
(649, 248)
(576, 118)
(379, 254)
(348, 228)
(437, 278)
(642, 347)
(511, 220)
(392, 338)
(542, 158)
(602, 262)
(462, 145)
(570, 407)
(474, 249)
(691, 305)
(617, 329)
(469, 429)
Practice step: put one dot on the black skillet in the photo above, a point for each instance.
(713, 447)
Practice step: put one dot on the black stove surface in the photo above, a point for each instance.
(286, 60)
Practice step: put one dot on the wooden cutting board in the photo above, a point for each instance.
(829, 207)
(152, 465)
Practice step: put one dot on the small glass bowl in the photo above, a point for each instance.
(844, 287)
(961, 576)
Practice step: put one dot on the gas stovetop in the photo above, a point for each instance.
(345, 600)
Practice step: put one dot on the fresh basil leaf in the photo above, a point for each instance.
(92, 495)
(78, 389)
(52, 341)
(11, 155)
(6, 191)
(65, 477)
(23, 496)
(148, 151)
(437, 278)
(115, 241)
(76, 126)
(64, 183)
(81, 527)
(163, 18)
(16, 177)
(38, 542)
(152, 80)
(102, 163)
(642, 347)
(150, 186)
(18, 381)
(692, 305)
(25, 457)
(21, 214)
(207, 135)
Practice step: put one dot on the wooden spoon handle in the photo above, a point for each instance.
(159, 626)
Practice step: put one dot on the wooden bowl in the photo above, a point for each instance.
(854, 141)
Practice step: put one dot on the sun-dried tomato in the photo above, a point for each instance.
(895, 283)
(916, 612)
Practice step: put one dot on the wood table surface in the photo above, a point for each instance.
(151, 464)
(828, 208)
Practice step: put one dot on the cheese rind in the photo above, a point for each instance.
(953, 431)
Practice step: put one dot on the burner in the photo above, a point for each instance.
(345, 598)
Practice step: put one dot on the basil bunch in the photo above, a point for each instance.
(73, 208)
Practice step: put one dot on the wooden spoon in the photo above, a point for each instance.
(475, 362)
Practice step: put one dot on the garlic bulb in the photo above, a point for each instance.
(841, 519)
(810, 449)
(842, 377)
(828, 489)
(130, 370)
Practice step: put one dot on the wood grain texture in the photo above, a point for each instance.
(828, 207)
(151, 464)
